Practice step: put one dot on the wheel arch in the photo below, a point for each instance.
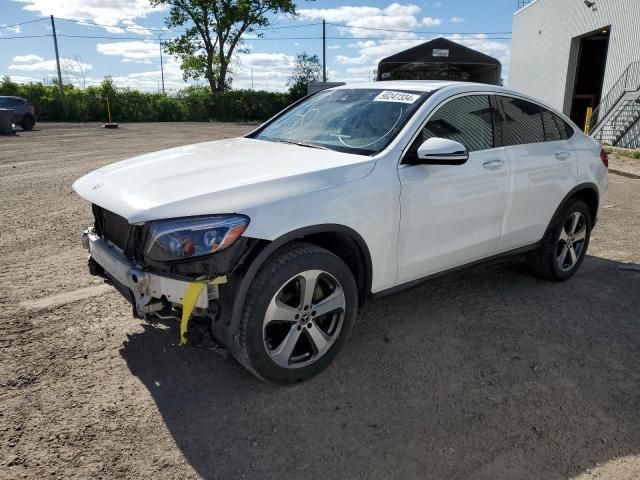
(588, 193)
(341, 240)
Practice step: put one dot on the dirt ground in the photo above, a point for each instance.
(484, 374)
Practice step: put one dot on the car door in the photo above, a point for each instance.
(452, 214)
(543, 169)
(12, 104)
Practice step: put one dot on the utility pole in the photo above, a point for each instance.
(55, 44)
(161, 64)
(252, 79)
(324, 51)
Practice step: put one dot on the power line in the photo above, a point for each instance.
(105, 37)
(271, 39)
(23, 23)
(270, 28)
(384, 39)
(25, 36)
(167, 30)
(418, 31)
(122, 27)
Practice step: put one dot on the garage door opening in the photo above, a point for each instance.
(590, 68)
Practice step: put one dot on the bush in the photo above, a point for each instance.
(193, 103)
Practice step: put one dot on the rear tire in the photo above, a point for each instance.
(565, 243)
(28, 123)
(290, 332)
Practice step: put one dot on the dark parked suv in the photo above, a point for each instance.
(23, 112)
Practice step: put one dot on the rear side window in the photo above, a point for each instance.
(10, 102)
(554, 127)
(467, 120)
(566, 130)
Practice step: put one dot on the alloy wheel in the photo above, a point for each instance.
(304, 319)
(572, 241)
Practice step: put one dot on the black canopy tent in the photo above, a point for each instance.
(441, 59)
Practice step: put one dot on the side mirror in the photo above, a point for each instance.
(440, 151)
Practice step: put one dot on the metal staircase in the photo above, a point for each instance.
(616, 121)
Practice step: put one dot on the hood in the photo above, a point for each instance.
(225, 176)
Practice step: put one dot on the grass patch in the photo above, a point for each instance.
(635, 154)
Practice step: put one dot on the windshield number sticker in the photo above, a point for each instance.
(397, 97)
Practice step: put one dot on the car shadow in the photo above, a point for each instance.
(487, 373)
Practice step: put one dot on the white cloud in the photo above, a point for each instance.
(456, 19)
(393, 25)
(274, 61)
(340, 14)
(267, 71)
(394, 21)
(14, 29)
(133, 27)
(437, 4)
(132, 50)
(151, 80)
(333, 47)
(146, 61)
(395, 9)
(27, 58)
(34, 63)
(108, 12)
(393, 17)
(431, 22)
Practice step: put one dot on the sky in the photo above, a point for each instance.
(129, 51)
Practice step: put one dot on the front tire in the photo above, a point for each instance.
(28, 123)
(299, 311)
(565, 244)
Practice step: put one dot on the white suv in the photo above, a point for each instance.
(360, 190)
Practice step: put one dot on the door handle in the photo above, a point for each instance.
(493, 164)
(562, 155)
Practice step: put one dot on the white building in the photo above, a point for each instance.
(576, 54)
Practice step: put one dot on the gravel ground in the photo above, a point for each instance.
(483, 374)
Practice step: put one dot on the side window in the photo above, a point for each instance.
(522, 122)
(552, 132)
(467, 120)
(566, 130)
(555, 128)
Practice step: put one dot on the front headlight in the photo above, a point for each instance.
(191, 237)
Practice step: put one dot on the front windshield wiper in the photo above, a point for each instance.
(303, 144)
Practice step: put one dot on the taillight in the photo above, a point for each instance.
(604, 156)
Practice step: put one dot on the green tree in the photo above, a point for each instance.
(214, 30)
(8, 86)
(307, 70)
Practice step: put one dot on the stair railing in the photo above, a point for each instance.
(629, 81)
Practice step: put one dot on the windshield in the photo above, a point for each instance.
(361, 121)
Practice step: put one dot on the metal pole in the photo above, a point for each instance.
(324, 51)
(161, 64)
(252, 79)
(108, 110)
(55, 44)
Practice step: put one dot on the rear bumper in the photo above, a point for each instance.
(150, 291)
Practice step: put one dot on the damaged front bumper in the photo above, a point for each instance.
(149, 292)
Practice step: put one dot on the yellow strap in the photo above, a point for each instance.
(587, 120)
(191, 295)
